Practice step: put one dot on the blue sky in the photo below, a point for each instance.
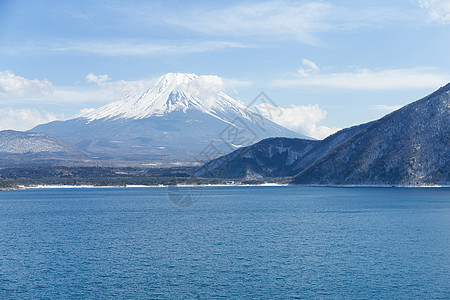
(328, 64)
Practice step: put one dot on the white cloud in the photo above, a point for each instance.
(206, 86)
(12, 84)
(388, 108)
(389, 79)
(83, 112)
(17, 89)
(308, 68)
(271, 18)
(301, 118)
(310, 65)
(112, 90)
(283, 20)
(25, 119)
(438, 10)
(91, 77)
(102, 90)
(125, 47)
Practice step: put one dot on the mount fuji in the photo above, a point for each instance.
(181, 119)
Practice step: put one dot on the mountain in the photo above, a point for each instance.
(275, 157)
(272, 157)
(325, 146)
(410, 146)
(182, 118)
(25, 148)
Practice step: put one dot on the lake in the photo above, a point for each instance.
(234, 242)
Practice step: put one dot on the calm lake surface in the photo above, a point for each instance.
(234, 242)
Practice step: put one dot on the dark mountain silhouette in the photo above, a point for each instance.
(409, 146)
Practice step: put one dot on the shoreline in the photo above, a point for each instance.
(31, 187)
(22, 187)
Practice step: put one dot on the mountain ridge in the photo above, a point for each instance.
(272, 157)
(396, 142)
(19, 148)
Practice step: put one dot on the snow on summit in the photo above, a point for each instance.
(173, 92)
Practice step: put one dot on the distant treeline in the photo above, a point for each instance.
(104, 176)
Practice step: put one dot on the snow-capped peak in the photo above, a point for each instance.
(171, 92)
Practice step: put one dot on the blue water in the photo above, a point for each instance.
(235, 242)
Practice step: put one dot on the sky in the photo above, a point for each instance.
(326, 64)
